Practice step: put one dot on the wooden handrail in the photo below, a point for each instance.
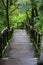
(35, 37)
(5, 36)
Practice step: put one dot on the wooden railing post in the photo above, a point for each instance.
(41, 55)
(0, 46)
(5, 36)
(37, 39)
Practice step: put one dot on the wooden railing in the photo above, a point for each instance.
(36, 38)
(5, 36)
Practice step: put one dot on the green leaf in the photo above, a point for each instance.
(38, 0)
(41, 13)
(18, 3)
(22, 1)
(37, 17)
(41, 9)
(24, 8)
(39, 23)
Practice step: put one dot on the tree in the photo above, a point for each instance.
(7, 4)
(33, 6)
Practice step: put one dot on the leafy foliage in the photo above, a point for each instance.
(41, 9)
(21, 11)
(24, 8)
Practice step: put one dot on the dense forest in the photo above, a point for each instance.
(21, 14)
(12, 11)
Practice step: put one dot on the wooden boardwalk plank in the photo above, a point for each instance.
(21, 51)
(21, 46)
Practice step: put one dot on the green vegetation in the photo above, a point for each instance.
(13, 14)
(12, 11)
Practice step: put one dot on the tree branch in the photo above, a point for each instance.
(13, 10)
(3, 3)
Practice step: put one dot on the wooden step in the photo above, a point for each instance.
(18, 61)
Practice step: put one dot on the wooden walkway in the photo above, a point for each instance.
(20, 51)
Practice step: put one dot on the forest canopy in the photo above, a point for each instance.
(12, 11)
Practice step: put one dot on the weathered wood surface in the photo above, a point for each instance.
(21, 50)
(20, 46)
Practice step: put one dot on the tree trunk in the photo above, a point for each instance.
(36, 12)
(27, 18)
(10, 2)
(32, 15)
(7, 15)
